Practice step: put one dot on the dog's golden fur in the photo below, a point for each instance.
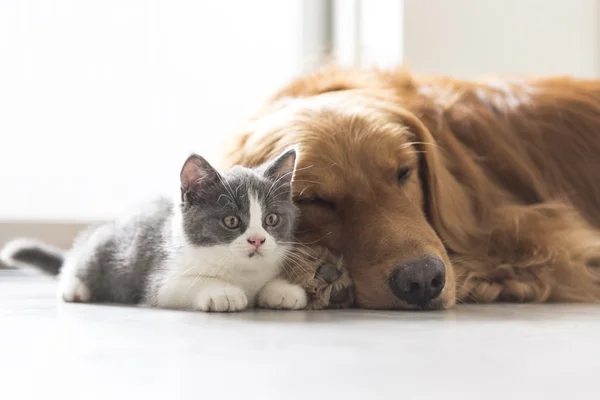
(504, 183)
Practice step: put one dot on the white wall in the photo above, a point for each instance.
(466, 38)
(101, 101)
(367, 32)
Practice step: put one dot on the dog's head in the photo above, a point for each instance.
(369, 187)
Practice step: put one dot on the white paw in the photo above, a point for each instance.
(221, 298)
(281, 294)
(73, 290)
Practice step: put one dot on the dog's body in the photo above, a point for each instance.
(489, 187)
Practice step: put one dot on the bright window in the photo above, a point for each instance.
(100, 102)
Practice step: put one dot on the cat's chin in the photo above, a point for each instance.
(260, 255)
(254, 259)
(255, 254)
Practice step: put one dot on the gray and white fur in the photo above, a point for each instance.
(219, 247)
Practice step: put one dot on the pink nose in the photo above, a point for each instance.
(256, 241)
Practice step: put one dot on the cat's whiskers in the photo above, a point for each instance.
(286, 184)
(296, 260)
(276, 182)
(302, 191)
(313, 242)
(294, 254)
(196, 279)
(188, 262)
(300, 247)
(238, 188)
(284, 269)
(287, 273)
(283, 255)
(283, 185)
(229, 200)
(220, 266)
(304, 168)
(300, 250)
(305, 180)
(300, 261)
(295, 266)
(227, 187)
(283, 176)
(182, 273)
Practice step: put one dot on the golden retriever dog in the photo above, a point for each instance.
(420, 192)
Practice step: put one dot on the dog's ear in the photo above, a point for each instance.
(449, 207)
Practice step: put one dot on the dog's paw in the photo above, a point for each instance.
(333, 287)
(72, 290)
(282, 295)
(329, 286)
(221, 298)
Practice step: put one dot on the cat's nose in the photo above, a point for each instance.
(256, 241)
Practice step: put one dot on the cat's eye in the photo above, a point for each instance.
(403, 174)
(231, 221)
(271, 219)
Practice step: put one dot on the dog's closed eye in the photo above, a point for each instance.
(403, 174)
(316, 201)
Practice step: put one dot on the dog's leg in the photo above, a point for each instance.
(322, 275)
(535, 254)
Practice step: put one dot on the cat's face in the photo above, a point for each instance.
(247, 213)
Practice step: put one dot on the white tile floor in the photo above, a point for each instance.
(50, 350)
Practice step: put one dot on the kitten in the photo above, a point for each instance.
(219, 247)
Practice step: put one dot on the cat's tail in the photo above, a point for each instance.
(25, 252)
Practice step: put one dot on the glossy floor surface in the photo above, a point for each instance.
(51, 350)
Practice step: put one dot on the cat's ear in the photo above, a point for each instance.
(282, 168)
(197, 175)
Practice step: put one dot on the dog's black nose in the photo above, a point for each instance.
(418, 281)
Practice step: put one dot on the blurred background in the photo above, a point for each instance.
(100, 101)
